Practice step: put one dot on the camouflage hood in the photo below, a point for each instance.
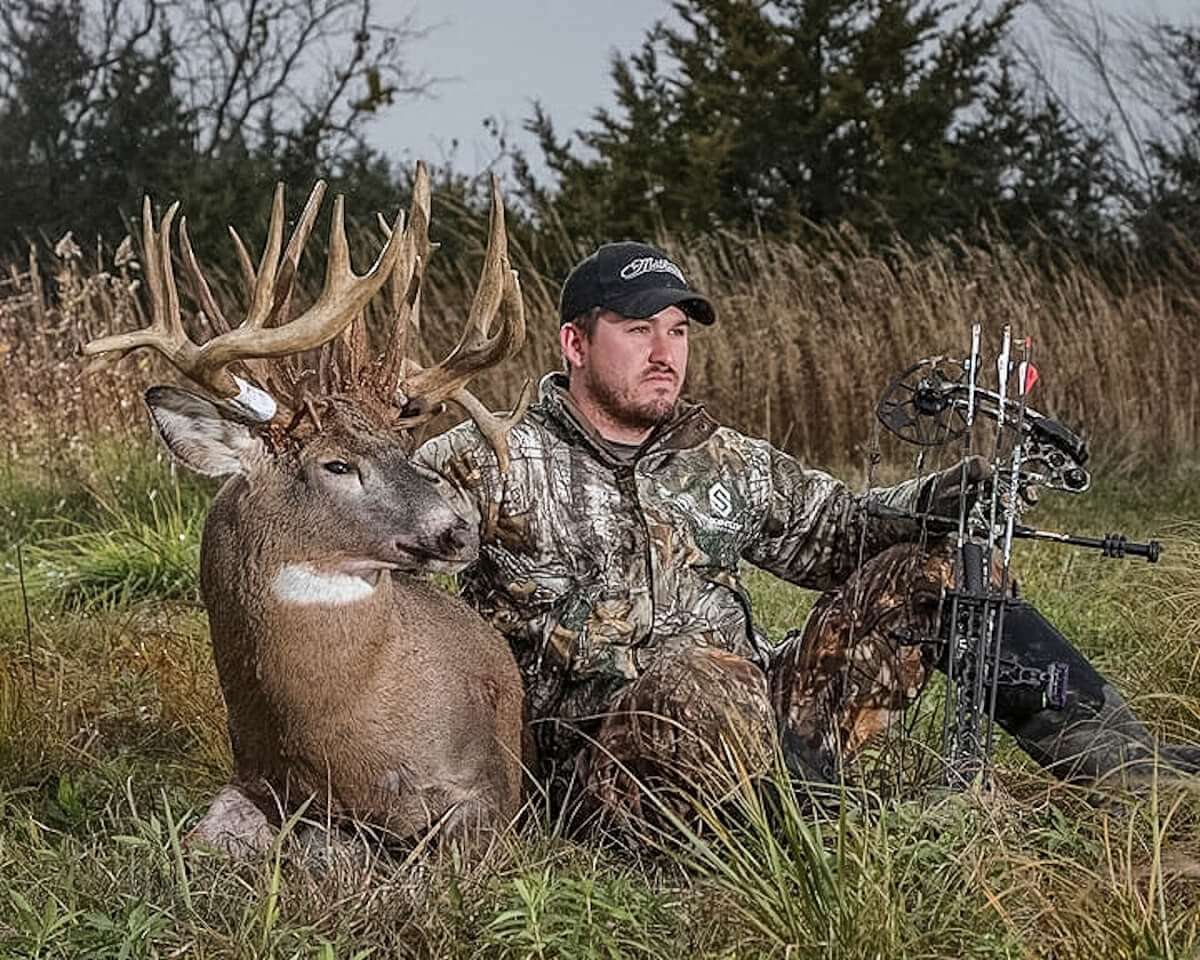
(592, 566)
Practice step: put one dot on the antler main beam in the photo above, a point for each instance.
(498, 293)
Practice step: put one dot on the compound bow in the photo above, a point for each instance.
(933, 403)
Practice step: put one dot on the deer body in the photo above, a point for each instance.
(354, 687)
(356, 706)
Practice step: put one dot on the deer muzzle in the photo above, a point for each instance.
(438, 547)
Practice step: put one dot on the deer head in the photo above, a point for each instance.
(324, 449)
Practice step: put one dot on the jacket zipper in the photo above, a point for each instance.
(627, 474)
(637, 501)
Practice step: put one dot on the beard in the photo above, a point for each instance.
(620, 406)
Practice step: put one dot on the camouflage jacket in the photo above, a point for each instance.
(591, 566)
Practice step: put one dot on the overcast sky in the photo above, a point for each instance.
(497, 56)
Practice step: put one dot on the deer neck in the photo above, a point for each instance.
(261, 576)
(295, 644)
(299, 584)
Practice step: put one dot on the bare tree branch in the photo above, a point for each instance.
(251, 65)
(1087, 35)
(241, 54)
(249, 68)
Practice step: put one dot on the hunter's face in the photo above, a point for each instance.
(633, 370)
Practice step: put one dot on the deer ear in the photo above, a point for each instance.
(200, 434)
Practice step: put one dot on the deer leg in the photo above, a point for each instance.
(234, 824)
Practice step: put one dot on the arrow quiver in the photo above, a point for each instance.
(941, 402)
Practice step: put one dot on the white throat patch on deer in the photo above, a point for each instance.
(303, 584)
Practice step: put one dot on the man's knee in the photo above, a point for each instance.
(684, 715)
(708, 692)
(861, 658)
(686, 671)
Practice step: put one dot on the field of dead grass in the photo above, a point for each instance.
(112, 732)
(808, 338)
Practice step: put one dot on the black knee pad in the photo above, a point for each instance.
(1033, 641)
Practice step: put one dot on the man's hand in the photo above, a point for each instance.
(940, 495)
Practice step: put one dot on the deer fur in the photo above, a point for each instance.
(353, 684)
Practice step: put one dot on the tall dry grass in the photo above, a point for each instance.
(808, 337)
(810, 340)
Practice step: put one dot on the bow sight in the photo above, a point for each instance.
(937, 402)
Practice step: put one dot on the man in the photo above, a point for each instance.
(610, 559)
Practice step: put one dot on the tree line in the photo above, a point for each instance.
(102, 101)
(911, 118)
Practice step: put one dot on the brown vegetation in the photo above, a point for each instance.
(808, 337)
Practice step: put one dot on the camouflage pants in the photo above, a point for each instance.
(827, 691)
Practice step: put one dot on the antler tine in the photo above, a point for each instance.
(244, 259)
(272, 284)
(295, 248)
(208, 303)
(350, 354)
(291, 369)
(491, 283)
(404, 285)
(476, 350)
(493, 426)
(422, 213)
(150, 252)
(165, 333)
(263, 297)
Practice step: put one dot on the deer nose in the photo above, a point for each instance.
(458, 539)
(454, 541)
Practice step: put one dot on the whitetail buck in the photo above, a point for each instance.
(351, 683)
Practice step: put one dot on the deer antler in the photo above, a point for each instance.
(493, 426)
(498, 292)
(342, 298)
(404, 285)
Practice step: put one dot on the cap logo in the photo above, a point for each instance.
(636, 267)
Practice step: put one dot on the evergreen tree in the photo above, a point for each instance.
(40, 116)
(886, 114)
(1171, 211)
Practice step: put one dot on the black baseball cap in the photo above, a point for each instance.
(633, 279)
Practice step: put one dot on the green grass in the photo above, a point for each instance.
(112, 739)
(126, 530)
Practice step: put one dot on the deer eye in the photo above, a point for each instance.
(340, 467)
